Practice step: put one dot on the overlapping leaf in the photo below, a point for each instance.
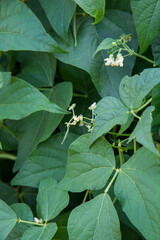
(137, 189)
(50, 200)
(48, 160)
(37, 68)
(23, 212)
(20, 99)
(88, 168)
(40, 233)
(40, 125)
(59, 14)
(17, 34)
(147, 21)
(8, 220)
(110, 111)
(142, 131)
(105, 79)
(134, 89)
(95, 8)
(96, 219)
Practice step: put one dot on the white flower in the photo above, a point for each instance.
(38, 221)
(110, 61)
(93, 106)
(119, 60)
(114, 43)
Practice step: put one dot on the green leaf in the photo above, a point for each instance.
(23, 212)
(50, 200)
(156, 50)
(156, 103)
(7, 194)
(88, 168)
(48, 160)
(20, 99)
(105, 44)
(5, 78)
(96, 219)
(59, 14)
(40, 125)
(62, 233)
(105, 79)
(17, 34)
(147, 20)
(95, 8)
(137, 189)
(134, 89)
(142, 131)
(37, 68)
(110, 111)
(8, 220)
(1, 80)
(40, 233)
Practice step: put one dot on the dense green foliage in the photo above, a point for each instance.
(79, 119)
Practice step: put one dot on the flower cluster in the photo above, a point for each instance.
(75, 119)
(114, 62)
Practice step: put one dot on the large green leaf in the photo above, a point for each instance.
(20, 99)
(110, 111)
(59, 14)
(105, 79)
(8, 220)
(20, 29)
(156, 103)
(134, 89)
(147, 20)
(137, 189)
(40, 233)
(96, 219)
(48, 160)
(88, 168)
(40, 125)
(23, 212)
(50, 200)
(95, 8)
(37, 68)
(142, 131)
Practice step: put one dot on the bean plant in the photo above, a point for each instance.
(79, 119)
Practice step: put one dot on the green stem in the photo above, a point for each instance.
(85, 196)
(143, 106)
(7, 156)
(123, 148)
(134, 143)
(87, 118)
(74, 29)
(136, 54)
(141, 56)
(135, 115)
(8, 130)
(33, 223)
(114, 200)
(79, 95)
(123, 134)
(44, 89)
(121, 156)
(112, 180)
